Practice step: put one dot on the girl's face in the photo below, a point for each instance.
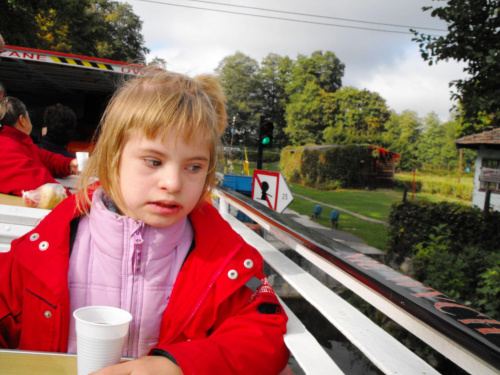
(162, 181)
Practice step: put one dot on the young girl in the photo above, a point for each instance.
(144, 239)
(23, 166)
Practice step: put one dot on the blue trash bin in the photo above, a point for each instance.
(334, 217)
(317, 211)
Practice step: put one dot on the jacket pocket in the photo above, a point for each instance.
(39, 323)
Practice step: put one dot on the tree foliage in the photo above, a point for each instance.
(402, 135)
(98, 28)
(305, 116)
(474, 38)
(357, 116)
(275, 72)
(322, 68)
(312, 79)
(239, 75)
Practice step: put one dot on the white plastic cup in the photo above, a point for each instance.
(82, 158)
(100, 335)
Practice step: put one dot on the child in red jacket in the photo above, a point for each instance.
(23, 166)
(146, 241)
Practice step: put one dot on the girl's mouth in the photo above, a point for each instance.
(165, 208)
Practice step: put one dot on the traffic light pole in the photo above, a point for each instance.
(261, 146)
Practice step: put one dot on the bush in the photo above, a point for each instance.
(453, 249)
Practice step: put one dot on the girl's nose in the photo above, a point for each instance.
(171, 180)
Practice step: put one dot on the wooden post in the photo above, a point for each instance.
(487, 196)
(460, 164)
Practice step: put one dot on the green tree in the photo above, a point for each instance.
(98, 28)
(239, 75)
(119, 30)
(311, 80)
(474, 38)
(358, 116)
(274, 75)
(324, 69)
(432, 140)
(402, 135)
(305, 116)
(158, 62)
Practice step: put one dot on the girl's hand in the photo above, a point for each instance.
(73, 166)
(148, 365)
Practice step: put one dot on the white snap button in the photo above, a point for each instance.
(248, 263)
(34, 237)
(232, 274)
(47, 314)
(44, 245)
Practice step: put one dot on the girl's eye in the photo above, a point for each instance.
(153, 162)
(194, 167)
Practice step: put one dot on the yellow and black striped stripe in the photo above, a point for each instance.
(77, 62)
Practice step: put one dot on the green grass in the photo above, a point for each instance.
(375, 204)
(371, 203)
(372, 233)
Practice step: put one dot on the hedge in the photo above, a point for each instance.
(336, 167)
(450, 247)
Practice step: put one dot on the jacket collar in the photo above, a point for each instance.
(15, 134)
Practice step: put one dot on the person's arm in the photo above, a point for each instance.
(58, 165)
(248, 334)
(19, 172)
(148, 365)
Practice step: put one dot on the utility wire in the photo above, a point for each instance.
(318, 16)
(282, 18)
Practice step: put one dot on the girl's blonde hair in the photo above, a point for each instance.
(153, 105)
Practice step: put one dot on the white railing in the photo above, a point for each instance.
(385, 352)
(15, 221)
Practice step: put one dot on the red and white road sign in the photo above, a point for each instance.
(271, 189)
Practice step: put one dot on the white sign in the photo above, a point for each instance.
(271, 189)
(490, 175)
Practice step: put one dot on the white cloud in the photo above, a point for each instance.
(412, 84)
(194, 41)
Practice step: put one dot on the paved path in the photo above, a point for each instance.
(343, 210)
(348, 239)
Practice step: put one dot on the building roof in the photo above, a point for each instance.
(490, 138)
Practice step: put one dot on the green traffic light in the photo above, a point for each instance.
(266, 140)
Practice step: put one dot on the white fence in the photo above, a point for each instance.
(386, 353)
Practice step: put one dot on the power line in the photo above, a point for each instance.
(318, 16)
(284, 19)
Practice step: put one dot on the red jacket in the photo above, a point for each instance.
(23, 166)
(221, 318)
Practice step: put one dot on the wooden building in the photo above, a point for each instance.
(487, 174)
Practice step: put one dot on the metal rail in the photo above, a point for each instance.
(463, 335)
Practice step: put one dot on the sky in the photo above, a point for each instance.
(193, 36)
